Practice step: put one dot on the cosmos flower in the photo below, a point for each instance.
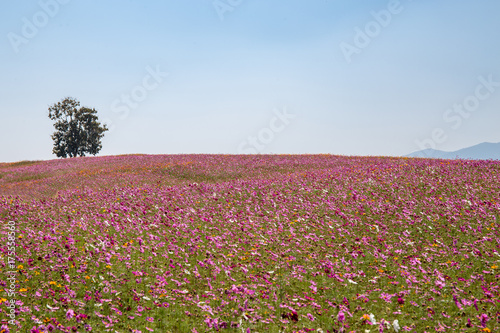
(70, 314)
(396, 326)
(341, 316)
(252, 236)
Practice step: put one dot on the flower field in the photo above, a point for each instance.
(278, 243)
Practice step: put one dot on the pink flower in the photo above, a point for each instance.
(341, 316)
(70, 314)
(457, 303)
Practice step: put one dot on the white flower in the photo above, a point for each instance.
(372, 319)
(351, 281)
(395, 324)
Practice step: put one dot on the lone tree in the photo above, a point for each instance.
(77, 129)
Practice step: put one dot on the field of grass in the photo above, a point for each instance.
(281, 243)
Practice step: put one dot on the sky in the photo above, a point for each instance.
(253, 76)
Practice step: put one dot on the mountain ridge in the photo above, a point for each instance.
(481, 151)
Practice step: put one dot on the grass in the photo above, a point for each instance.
(188, 174)
(17, 164)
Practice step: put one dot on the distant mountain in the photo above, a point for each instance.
(482, 151)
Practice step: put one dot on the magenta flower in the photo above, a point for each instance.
(484, 319)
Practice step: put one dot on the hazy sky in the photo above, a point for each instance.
(246, 76)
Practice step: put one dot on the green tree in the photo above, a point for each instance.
(78, 130)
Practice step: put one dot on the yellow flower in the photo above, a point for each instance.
(23, 290)
(20, 267)
(52, 282)
(486, 329)
(494, 267)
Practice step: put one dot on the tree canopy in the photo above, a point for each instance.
(77, 129)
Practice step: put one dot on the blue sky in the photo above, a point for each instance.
(253, 76)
